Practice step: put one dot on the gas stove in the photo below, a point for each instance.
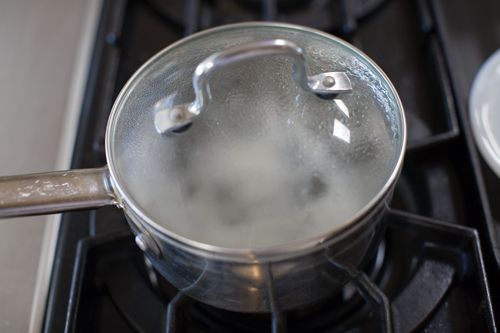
(437, 268)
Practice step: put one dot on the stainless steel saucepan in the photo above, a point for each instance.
(254, 163)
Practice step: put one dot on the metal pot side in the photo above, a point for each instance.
(266, 284)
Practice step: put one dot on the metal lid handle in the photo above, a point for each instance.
(329, 83)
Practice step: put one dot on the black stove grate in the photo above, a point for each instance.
(443, 263)
(431, 273)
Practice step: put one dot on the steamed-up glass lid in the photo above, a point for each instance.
(283, 135)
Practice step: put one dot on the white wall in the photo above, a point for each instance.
(39, 60)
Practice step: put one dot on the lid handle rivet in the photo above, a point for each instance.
(329, 81)
(176, 115)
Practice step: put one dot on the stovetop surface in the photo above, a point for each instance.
(430, 272)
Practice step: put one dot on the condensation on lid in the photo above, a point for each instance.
(266, 163)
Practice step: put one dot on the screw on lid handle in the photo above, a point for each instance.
(169, 119)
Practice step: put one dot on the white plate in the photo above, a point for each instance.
(484, 108)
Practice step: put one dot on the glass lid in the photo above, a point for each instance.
(254, 135)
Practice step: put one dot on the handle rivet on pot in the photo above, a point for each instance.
(329, 81)
(177, 115)
(146, 244)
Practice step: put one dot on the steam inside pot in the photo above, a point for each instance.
(267, 163)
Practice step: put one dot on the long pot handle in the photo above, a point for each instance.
(171, 118)
(54, 192)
